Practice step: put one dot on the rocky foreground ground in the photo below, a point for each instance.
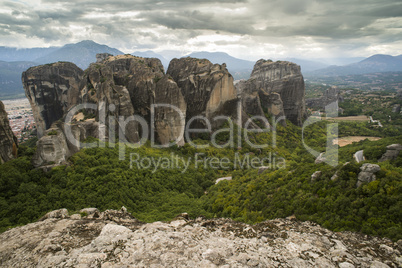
(116, 239)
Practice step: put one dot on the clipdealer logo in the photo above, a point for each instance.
(108, 134)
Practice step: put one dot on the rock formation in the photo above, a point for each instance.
(367, 173)
(116, 239)
(117, 91)
(328, 102)
(321, 158)
(102, 56)
(251, 104)
(62, 141)
(316, 175)
(392, 152)
(279, 87)
(207, 88)
(286, 79)
(117, 88)
(51, 89)
(396, 108)
(170, 120)
(8, 142)
(114, 85)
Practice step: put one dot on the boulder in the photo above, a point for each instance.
(396, 108)
(90, 213)
(335, 176)
(56, 214)
(367, 173)
(320, 158)
(316, 175)
(8, 142)
(392, 152)
(58, 144)
(52, 149)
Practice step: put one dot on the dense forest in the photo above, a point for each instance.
(97, 178)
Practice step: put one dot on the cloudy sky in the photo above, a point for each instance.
(248, 29)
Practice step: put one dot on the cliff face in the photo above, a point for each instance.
(207, 88)
(283, 78)
(60, 142)
(328, 101)
(127, 86)
(8, 142)
(51, 90)
(169, 122)
(116, 239)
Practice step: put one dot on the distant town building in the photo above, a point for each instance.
(21, 118)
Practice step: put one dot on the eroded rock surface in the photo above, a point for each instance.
(286, 79)
(8, 142)
(62, 141)
(328, 102)
(207, 88)
(51, 89)
(115, 239)
(392, 152)
(170, 112)
(367, 173)
(117, 91)
(279, 87)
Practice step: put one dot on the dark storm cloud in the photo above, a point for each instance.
(200, 21)
(153, 22)
(340, 20)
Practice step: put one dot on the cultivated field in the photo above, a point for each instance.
(351, 139)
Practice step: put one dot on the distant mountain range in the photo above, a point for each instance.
(14, 61)
(10, 77)
(82, 53)
(374, 64)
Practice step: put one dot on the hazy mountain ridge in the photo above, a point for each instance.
(84, 52)
(81, 54)
(10, 77)
(308, 65)
(373, 64)
(11, 54)
(19, 60)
